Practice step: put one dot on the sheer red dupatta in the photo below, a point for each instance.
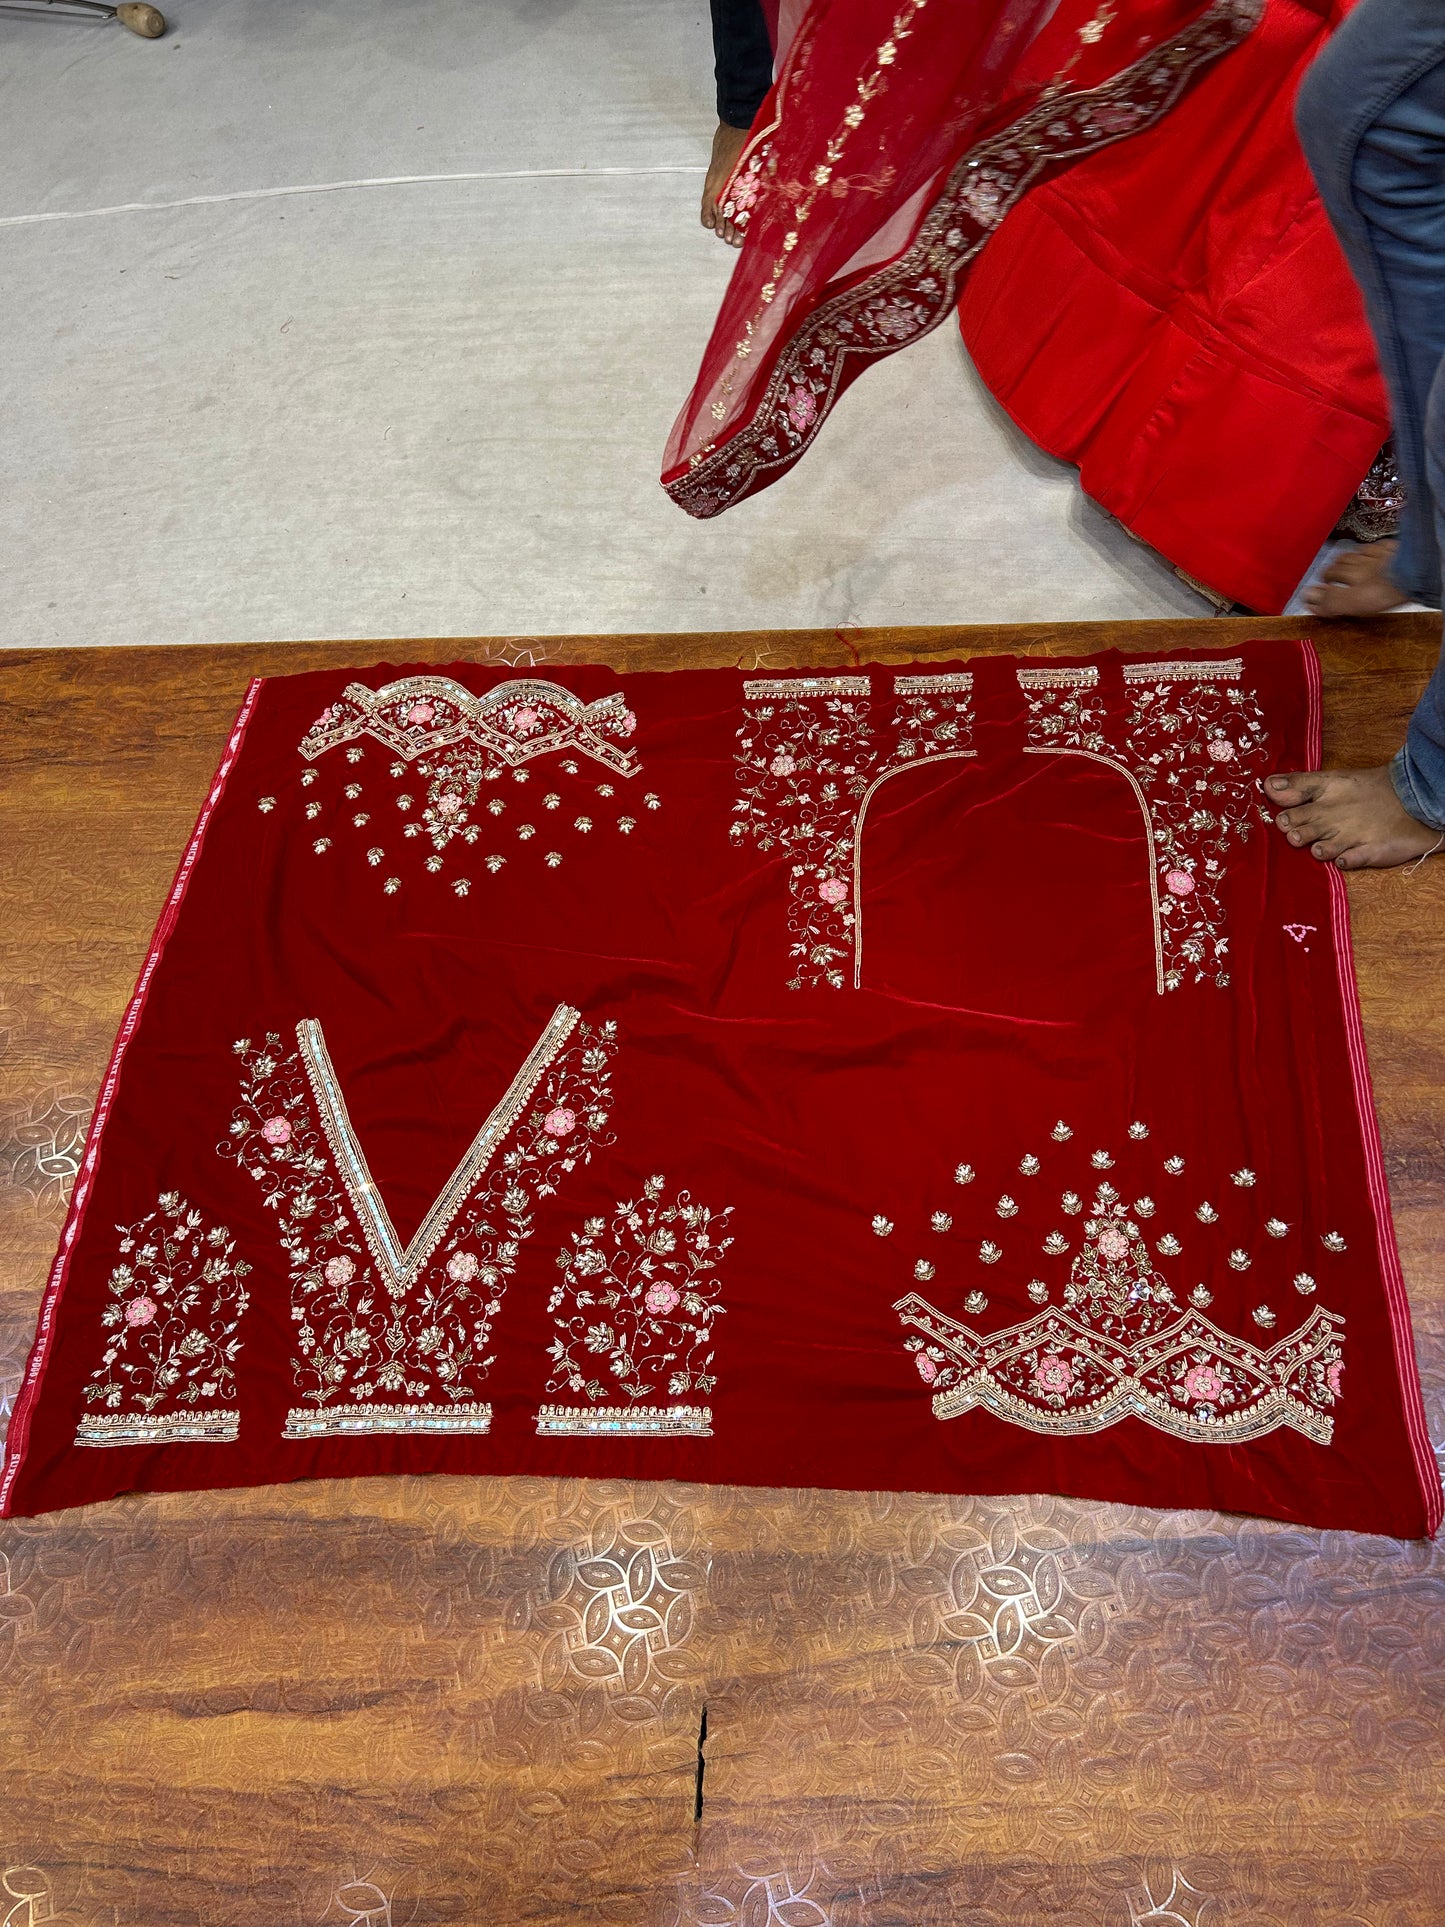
(897, 137)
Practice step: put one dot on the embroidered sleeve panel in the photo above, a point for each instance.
(397, 1341)
(790, 688)
(513, 723)
(176, 1298)
(1113, 1339)
(634, 1312)
(1228, 670)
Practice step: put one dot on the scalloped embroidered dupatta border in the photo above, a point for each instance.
(907, 299)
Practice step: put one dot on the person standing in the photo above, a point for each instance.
(743, 56)
(1371, 119)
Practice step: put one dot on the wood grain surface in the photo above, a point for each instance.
(478, 1700)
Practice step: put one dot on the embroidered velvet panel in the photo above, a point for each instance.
(935, 1077)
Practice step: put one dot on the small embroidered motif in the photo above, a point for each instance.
(1229, 670)
(1061, 1133)
(1174, 1166)
(364, 1421)
(1276, 1227)
(1207, 1214)
(1245, 1178)
(1029, 1165)
(1303, 1282)
(1082, 678)
(963, 1174)
(1056, 1244)
(976, 1302)
(1169, 1245)
(955, 683)
(941, 1221)
(792, 688)
(266, 805)
(1073, 1203)
(1299, 931)
(177, 1296)
(923, 1270)
(1262, 1315)
(1138, 1130)
(1006, 1208)
(583, 1421)
(1202, 1297)
(641, 1294)
(1239, 1260)
(883, 1226)
(1332, 1241)
(1038, 1291)
(989, 1253)
(1144, 1207)
(1101, 1161)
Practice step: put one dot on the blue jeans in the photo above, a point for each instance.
(1371, 118)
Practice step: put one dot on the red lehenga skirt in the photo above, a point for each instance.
(1202, 353)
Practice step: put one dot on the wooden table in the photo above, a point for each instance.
(478, 1700)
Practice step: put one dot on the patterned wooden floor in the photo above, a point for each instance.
(478, 1701)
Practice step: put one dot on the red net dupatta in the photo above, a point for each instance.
(897, 137)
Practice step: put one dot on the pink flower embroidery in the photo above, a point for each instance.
(1203, 1384)
(420, 713)
(448, 805)
(1113, 1244)
(744, 190)
(462, 1267)
(782, 764)
(340, 1271)
(1333, 1375)
(1116, 119)
(525, 721)
(802, 409)
(833, 890)
(140, 1311)
(927, 1370)
(276, 1130)
(1179, 883)
(661, 1297)
(1221, 750)
(561, 1122)
(626, 723)
(1053, 1374)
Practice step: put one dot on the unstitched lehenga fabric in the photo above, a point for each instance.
(933, 1077)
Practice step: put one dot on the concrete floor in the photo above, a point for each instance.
(257, 386)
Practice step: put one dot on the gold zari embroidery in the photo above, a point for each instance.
(592, 1421)
(369, 1421)
(165, 1428)
(789, 686)
(1227, 671)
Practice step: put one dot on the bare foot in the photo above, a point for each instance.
(1349, 817)
(1357, 583)
(727, 145)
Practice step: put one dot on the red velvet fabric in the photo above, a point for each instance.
(803, 1140)
(1203, 353)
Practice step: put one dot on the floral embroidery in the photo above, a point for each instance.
(1195, 740)
(176, 1299)
(1065, 708)
(379, 1322)
(638, 1296)
(933, 713)
(909, 296)
(1115, 1341)
(459, 745)
(805, 755)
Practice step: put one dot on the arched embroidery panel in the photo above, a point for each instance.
(459, 767)
(392, 1337)
(1113, 1337)
(1090, 872)
(1191, 740)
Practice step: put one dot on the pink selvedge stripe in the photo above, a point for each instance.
(1401, 1331)
(19, 1432)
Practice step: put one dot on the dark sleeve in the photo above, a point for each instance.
(744, 56)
